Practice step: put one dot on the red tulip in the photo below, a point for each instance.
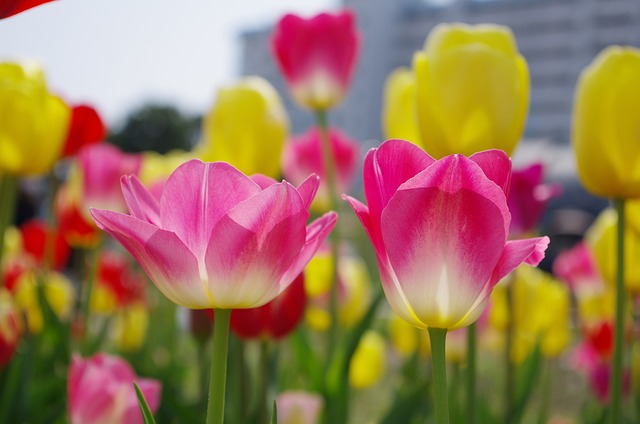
(274, 320)
(10, 327)
(13, 7)
(86, 128)
(35, 236)
(114, 272)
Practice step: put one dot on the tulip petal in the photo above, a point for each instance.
(263, 181)
(140, 202)
(151, 390)
(530, 251)
(197, 195)
(386, 168)
(254, 244)
(496, 165)
(445, 257)
(163, 256)
(308, 189)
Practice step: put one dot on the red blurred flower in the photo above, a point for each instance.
(72, 224)
(600, 338)
(13, 7)
(317, 56)
(528, 198)
(37, 238)
(274, 320)
(115, 273)
(85, 128)
(10, 328)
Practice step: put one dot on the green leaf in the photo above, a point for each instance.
(407, 404)
(144, 408)
(274, 414)
(526, 380)
(307, 358)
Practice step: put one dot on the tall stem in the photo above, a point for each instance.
(8, 191)
(471, 374)
(438, 336)
(331, 183)
(616, 373)
(218, 381)
(510, 371)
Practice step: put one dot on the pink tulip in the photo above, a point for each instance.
(102, 166)
(298, 407)
(101, 391)
(528, 197)
(439, 230)
(216, 238)
(303, 156)
(317, 56)
(577, 267)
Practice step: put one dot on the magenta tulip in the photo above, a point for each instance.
(217, 238)
(101, 391)
(303, 155)
(528, 198)
(439, 229)
(317, 56)
(102, 165)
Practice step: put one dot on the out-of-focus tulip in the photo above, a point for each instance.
(37, 239)
(540, 308)
(100, 390)
(303, 156)
(472, 90)
(216, 238)
(353, 289)
(130, 326)
(10, 327)
(246, 127)
(399, 116)
(439, 230)
(101, 167)
(601, 238)
(117, 285)
(76, 229)
(528, 198)
(368, 362)
(317, 56)
(606, 125)
(275, 319)
(405, 338)
(13, 7)
(33, 122)
(58, 292)
(156, 168)
(85, 128)
(297, 407)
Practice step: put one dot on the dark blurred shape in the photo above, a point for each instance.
(13, 7)
(159, 128)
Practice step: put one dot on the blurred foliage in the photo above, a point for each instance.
(156, 127)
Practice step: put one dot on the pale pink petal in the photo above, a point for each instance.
(496, 166)
(140, 202)
(254, 244)
(163, 256)
(386, 168)
(308, 189)
(197, 195)
(317, 232)
(263, 181)
(444, 231)
(530, 251)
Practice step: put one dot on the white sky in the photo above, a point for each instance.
(116, 54)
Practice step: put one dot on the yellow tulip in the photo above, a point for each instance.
(33, 122)
(540, 313)
(246, 127)
(606, 127)
(58, 292)
(399, 116)
(130, 326)
(472, 90)
(405, 338)
(156, 168)
(601, 238)
(368, 361)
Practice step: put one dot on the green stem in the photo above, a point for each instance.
(8, 192)
(218, 381)
(331, 183)
(471, 374)
(510, 371)
(264, 382)
(87, 289)
(438, 336)
(616, 373)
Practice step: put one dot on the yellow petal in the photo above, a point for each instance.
(368, 362)
(399, 114)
